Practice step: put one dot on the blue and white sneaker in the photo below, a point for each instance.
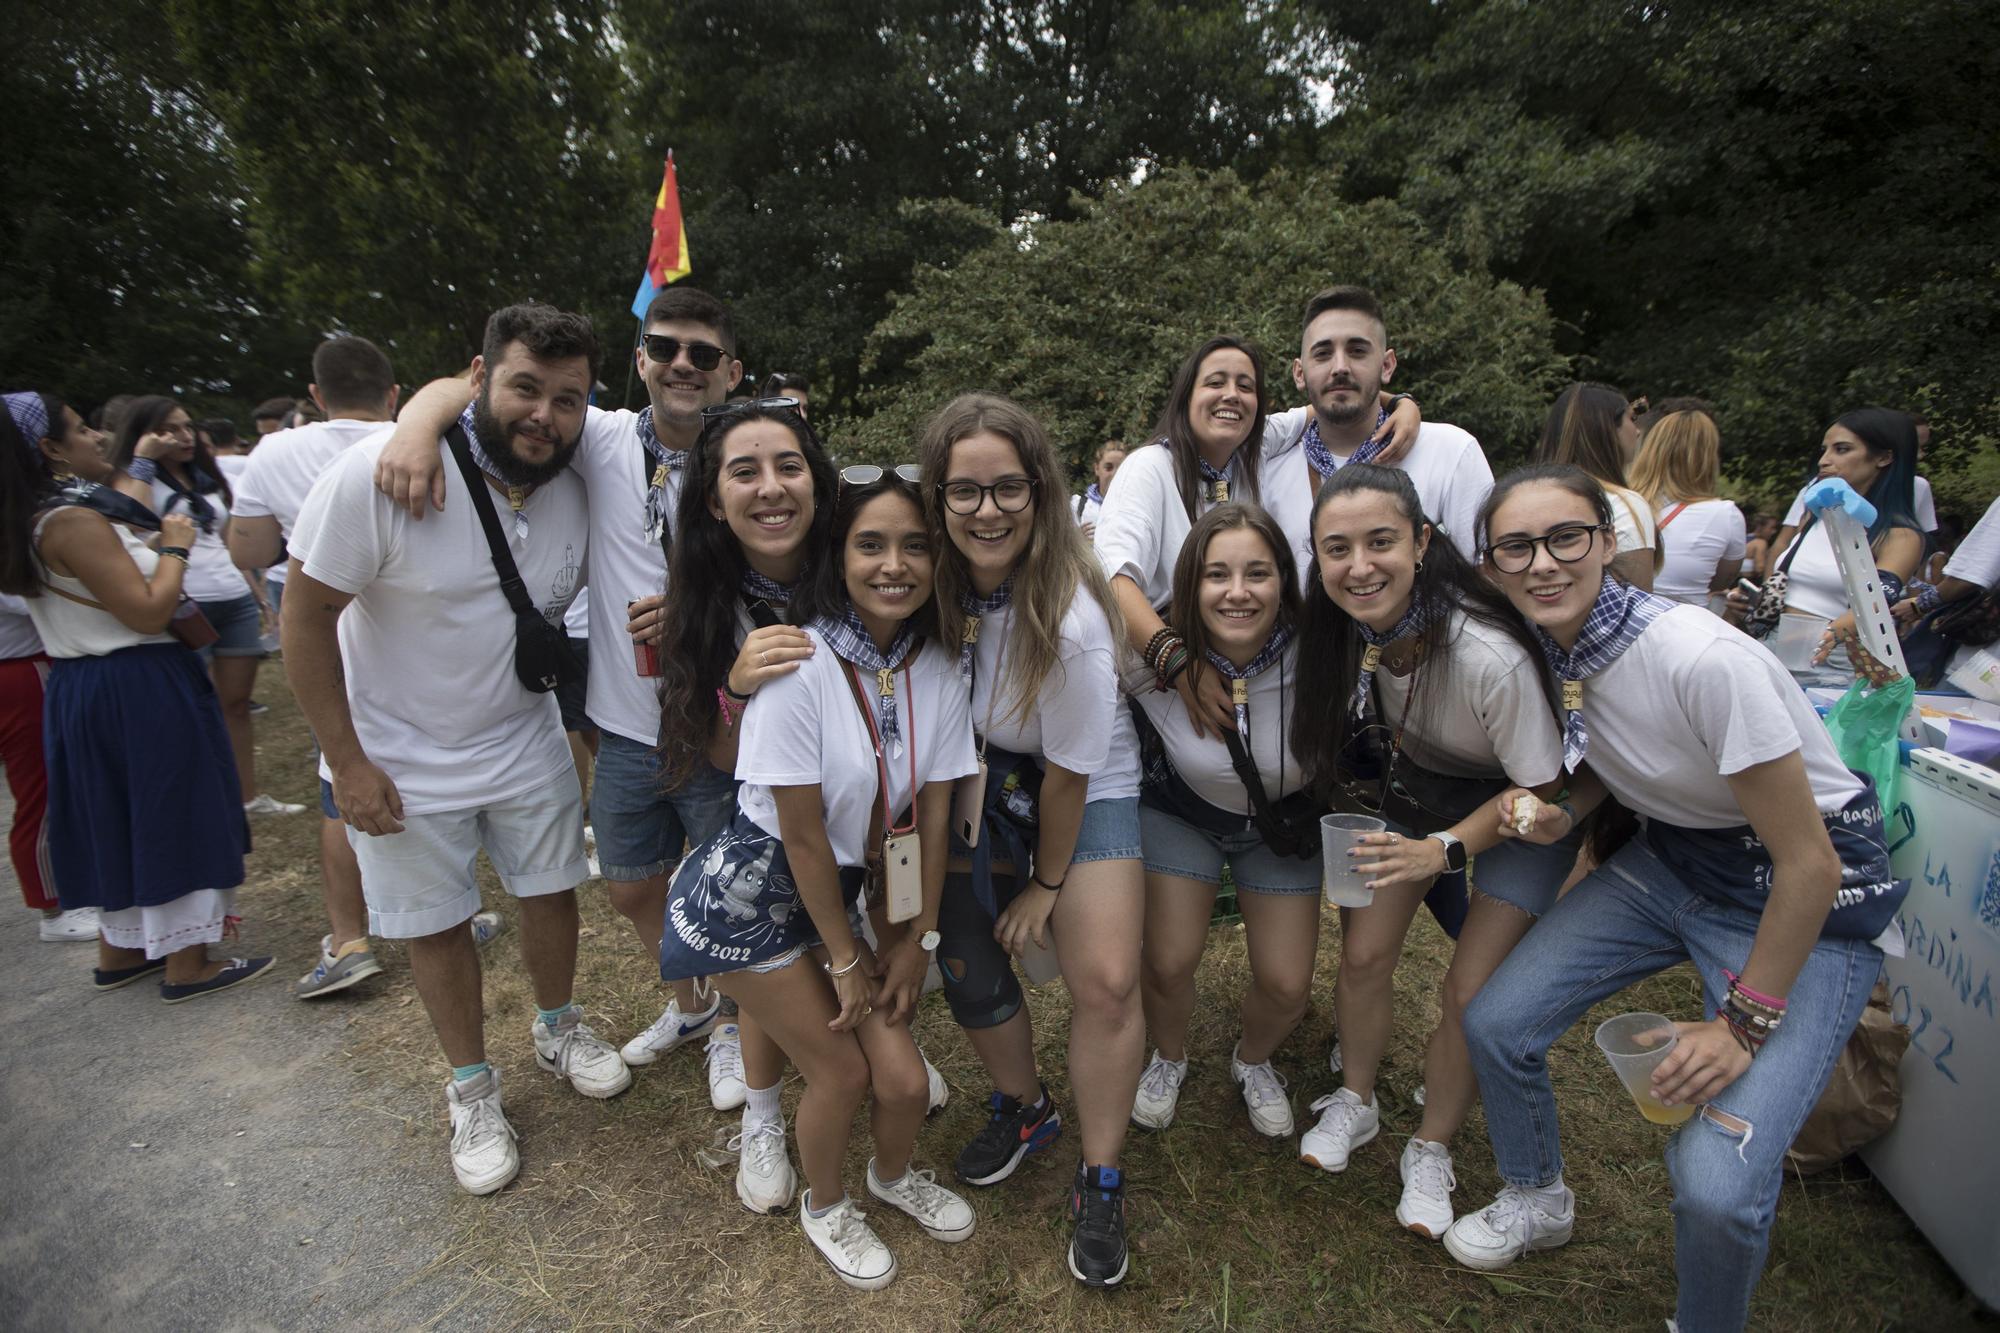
(672, 1028)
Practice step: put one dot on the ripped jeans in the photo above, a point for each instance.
(1630, 919)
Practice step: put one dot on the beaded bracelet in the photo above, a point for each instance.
(1158, 646)
(728, 707)
(1757, 999)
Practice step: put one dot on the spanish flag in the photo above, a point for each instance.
(667, 261)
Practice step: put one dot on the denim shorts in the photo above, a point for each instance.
(1110, 831)
(1176, 847)
(641, 829)
(236, 622)
(1521, 874)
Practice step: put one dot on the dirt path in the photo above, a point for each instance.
(212, 1165)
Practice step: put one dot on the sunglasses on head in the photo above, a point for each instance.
(749, 405)
(663, 348)
(867, 474)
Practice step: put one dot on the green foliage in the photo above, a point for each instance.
(1085, 320)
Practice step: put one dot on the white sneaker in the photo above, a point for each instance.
(1159, 1092)
(1508, 1228)
(79, 923)
(846, 1240)
(672, 1028)
(940, 1093)
(943, 1215)
(267, 804)
(483, 1156)
(764, 1178)
(726, 1089)
(486, 926)
(1427, 1186)
(1348, 1123)
(572, 1051)
(1264, 1095)
(1333, 1055)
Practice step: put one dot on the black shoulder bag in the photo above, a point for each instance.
(542, 659)
(1290, 828)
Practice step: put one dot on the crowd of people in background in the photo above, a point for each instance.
(867, 724)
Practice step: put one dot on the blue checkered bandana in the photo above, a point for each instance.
(665, 460)
(1323, 460)
(851, 642)
(762, 588)
(1415, 621)
(1092, 495)
(1266, 656)
(31, 417)
(1615, 623)
(976, 609)
(1218, 482)
(516, 495)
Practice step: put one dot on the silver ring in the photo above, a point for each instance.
(764, 658)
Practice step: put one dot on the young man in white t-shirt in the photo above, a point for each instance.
(1344, 361)
(355, 386)
(434, 746)
(632, 466)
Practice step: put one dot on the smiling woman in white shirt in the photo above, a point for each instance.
(846, 763)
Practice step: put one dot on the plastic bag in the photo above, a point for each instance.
(1863, 1096)
(1865, 725)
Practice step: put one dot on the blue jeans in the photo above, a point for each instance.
(1630, 919)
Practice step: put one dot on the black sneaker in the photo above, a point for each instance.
(1097, 1255)
(1010, 1134)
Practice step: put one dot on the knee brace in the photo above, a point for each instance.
(979, 982)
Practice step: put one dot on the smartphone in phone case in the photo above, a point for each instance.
(968, 801)
(902, 877)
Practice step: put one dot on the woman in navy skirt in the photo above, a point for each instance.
(145, 821)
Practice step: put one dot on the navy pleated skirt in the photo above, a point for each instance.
(144, 802)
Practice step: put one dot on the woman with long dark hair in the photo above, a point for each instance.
(1762, 863)
(169, 468)
(1591, 426)
(1236, 607)
(143, 820)
(1022, 594)
(1433, 705)
(847, 765)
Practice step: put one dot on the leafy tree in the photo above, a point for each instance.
(1086, 320)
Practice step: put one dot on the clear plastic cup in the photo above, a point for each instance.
(1795, 638)
(1635, 1044)
(1345, 887)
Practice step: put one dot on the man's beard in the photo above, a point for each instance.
(1335, 414)
(498, 442)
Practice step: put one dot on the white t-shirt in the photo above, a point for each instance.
(1085, 509)
(1691, 702)
(1633, 520)
(1814, 583)
(1923, 505)
(211, 575)
(576, 620)
(232, 466)
(428, 641)
(1446, 465)
(1700, 537)
(1078, 719)
(805, 729)
(1977, 559)
(17, 629)
(625, 565)
(1491, 717)
(1203, 761)
(1142, 527)
(281, 471)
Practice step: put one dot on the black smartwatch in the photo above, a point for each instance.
(1454, 851)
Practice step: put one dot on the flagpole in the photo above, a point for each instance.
(625, 400)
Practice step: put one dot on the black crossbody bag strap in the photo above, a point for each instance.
(489, 519)
(1253, 782)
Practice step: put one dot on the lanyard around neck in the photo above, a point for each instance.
(889, 829)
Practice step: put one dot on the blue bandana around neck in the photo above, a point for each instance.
(976, 609)
(665, 462)
(517, 496)
(1614, 624)
(1217, 479)
(851, 642)
(199, 509)
(1325, 462)
(1092, 495)
(1414, 621)
(762, 588)
(1266, 657)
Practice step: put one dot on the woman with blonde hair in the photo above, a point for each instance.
(1701, 534)
(1591, 426)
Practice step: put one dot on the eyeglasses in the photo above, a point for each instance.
(1010, 495)
(1567, 545)
(867, 474)
(663, 348)
(749, 405)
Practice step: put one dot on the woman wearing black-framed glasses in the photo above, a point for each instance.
(1434, 706)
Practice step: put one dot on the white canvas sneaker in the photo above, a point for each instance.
(1159, 1092)
(726, 1089)
(78, 923)
(764, 1176)
(483, 1155)
(1427, 1185)
(846, 1241)
(1346, 1124)
(571, 1050)
(943, 1215)
(672, 1028)
(1508, 1228)
(1264, 1094)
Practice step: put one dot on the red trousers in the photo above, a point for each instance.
(21, 751)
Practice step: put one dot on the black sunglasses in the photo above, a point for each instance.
(749, 405)
(663, 348)
(867, 474)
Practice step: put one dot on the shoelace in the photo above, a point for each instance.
(577, 1043)
(1334, 1099)
(920, 1190)
(725, 1059)
(999, 1126)
(1262, 1084)
(1508, 1214)
(759, 1144)
(849, 1230)
(1162, 1078)
(1432, 1173)
(483, 1119)
(1098, 1218)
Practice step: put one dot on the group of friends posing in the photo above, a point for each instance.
(907, 715)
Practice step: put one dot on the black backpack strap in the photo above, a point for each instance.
(1247, 774)
(489, 519)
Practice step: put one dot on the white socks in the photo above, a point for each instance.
(762, 1106)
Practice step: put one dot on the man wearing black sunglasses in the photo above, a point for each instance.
(633, 465)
